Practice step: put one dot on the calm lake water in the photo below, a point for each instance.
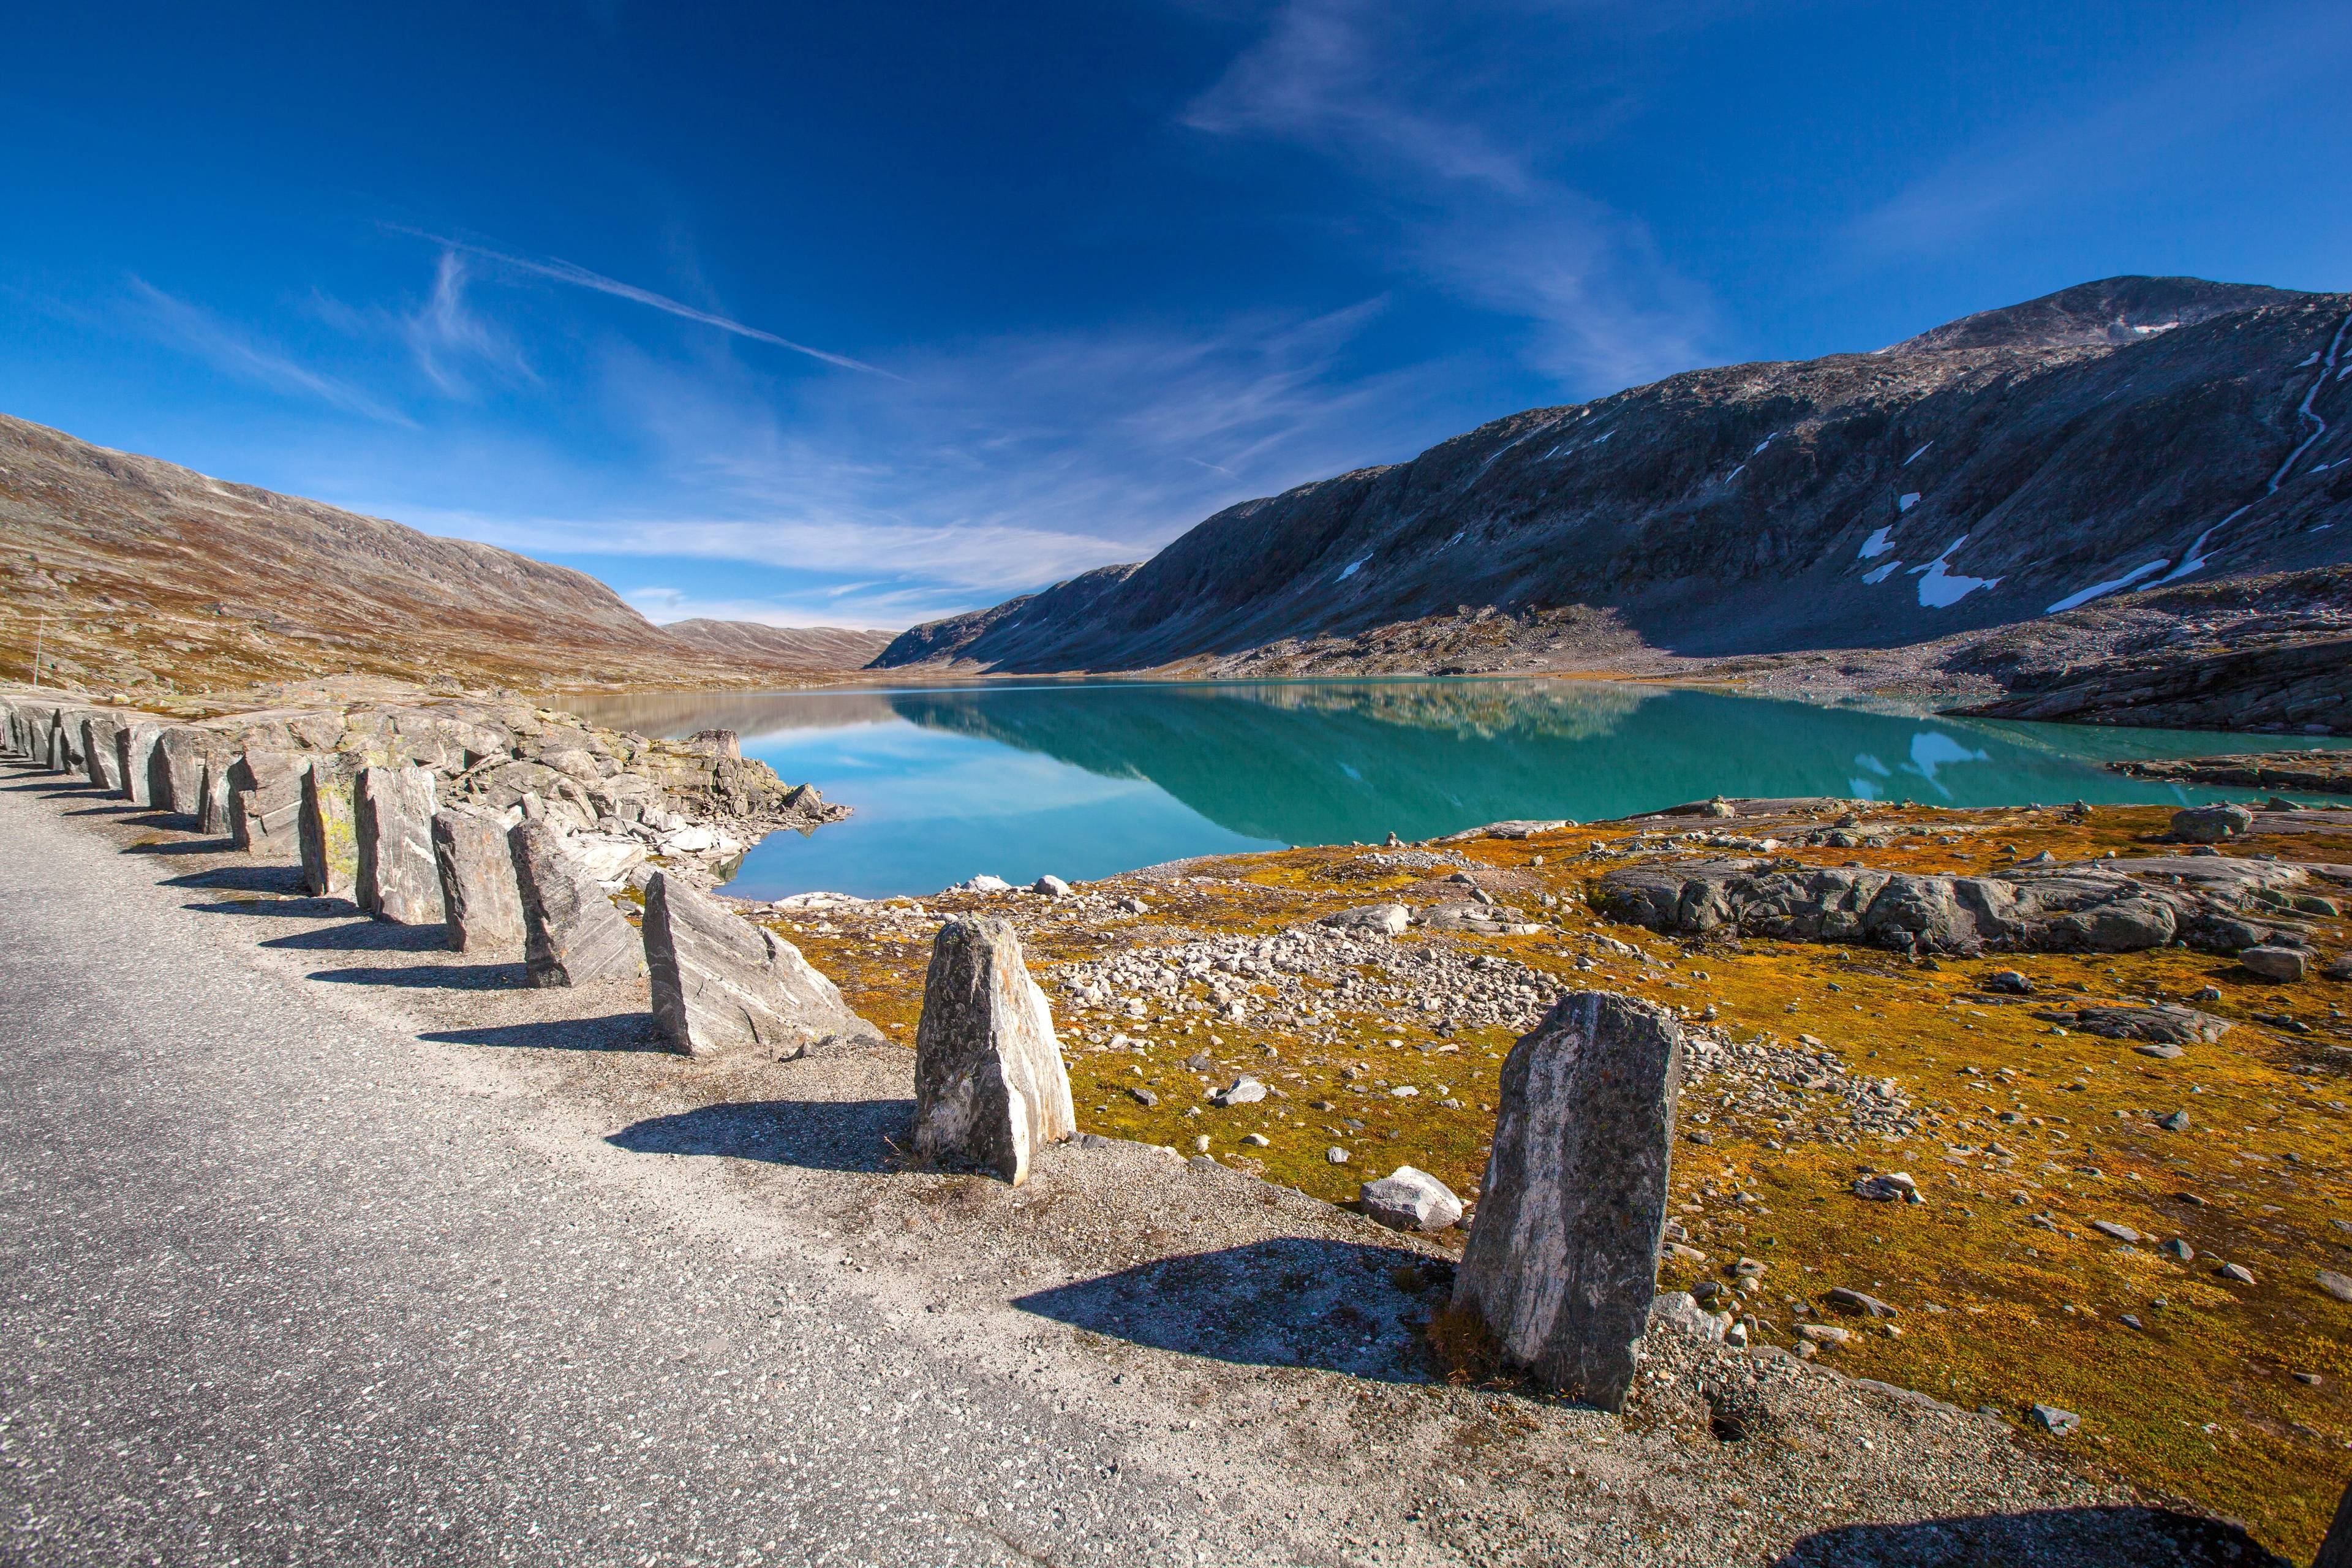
(1088, 779)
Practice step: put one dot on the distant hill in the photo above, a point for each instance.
(783, 647)
(127, 570)
(2001, 468)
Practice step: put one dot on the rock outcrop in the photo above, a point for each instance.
(2326, 773)
(2209, 902)
(721, 983)
(397, 880)
(572, 934)
(989, 1086)
(479, 893)
(1563, 1257)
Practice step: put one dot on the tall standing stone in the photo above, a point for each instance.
(721, 983)
(990, 1087)
(397, 879)
(478, 889)
(330, 846)
(100, 758)
(136, 747)
(2336, 1551)
(572, 933)
(1563, 1257)
(176, 775)
(213, 796)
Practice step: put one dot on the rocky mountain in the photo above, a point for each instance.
(126, 571)
(2011, 465)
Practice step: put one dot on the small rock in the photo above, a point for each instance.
(2237, 1272)
(2211, 824)
(1256, 1140)
(1386, 920)
(1051, 885)
(1869, 1306)
(983, 883)
(2056, 1422)
(2176, 1122)
(1895, 1186)
(1679, 1310)
(1825, 1333)
(2337, 1285)
(1202, 1143)
(1335, 1155)
(2161, 1052)
(2009, 983)
(1143, 1096)
(1241, 1091)
(2179, 1250)
(2119, 1232)
(1408, 1199)
(1135, 906)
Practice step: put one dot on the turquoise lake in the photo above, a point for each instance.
(1088, 779)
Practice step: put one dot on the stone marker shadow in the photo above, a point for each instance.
(433, 976)
(2117, 1537)
(631, 1031)
(260, 879)
(1289, 1301)
(814, 1134)
(364, 936)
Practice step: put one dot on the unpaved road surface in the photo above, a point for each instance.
(318, 1245)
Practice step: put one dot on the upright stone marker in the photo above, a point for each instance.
(1563, 1257)
(989, 1086)
(331, 846)
(265, 799)
(572, 934)
(478, 879)
(721, 983)
(137, 749)
(2336, 1551)
(177, 773)
(103, 762)
(213, 808)
(392, 810)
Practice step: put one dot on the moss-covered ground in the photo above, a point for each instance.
(2236, 1397)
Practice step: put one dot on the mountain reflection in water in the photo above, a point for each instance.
(1082, 779)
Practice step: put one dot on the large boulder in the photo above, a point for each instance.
(265, 799)
(1408, 1199)
(721, 983)
(990, 1087)
(397, 879)
(135, 748)
(1381, 920)
(330, 846)
(2211, 824)
(1563, 1257)
(571, 933)
(100, 760)
(479, 889)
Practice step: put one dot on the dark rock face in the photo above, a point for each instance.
(479, 890)
(2166, 1024)
(2064, 910)
(397, 879)
(2329, 773)
(1563, 1257)
(721, 983)
(572, 934)
(2302, 684)
(330, 838)
(990, 1087)
(1982, 474)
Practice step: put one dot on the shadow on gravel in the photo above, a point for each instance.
(1336, 1306)
(2077, 1537)
(433, 976)
(361, 936)
(181, 846)
(814, 1134)
(263, 879)
(613, 1032)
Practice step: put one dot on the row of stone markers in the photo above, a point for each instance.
(1561, 1264)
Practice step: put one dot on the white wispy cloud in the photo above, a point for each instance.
(444, 334)
(853, 612)
(2137, 133)
(1456, 144)
(204, 334)
(579, 277)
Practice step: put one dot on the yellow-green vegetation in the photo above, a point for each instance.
(2230, 1396)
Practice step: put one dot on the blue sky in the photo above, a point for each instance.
(863, 314)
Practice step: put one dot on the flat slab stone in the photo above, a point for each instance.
(331, 845)
(100, 760)
(989, 1086)
(265, 799)
(1563, 1256)
(572, 933)
(479, 894)
(721, 983)
(397, 879)
(175, 775)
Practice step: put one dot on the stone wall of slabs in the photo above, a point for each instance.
(572, 934)
(397, 879)
(479, 889)
(329, 842)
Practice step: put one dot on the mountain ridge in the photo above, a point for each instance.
(1981, 473)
